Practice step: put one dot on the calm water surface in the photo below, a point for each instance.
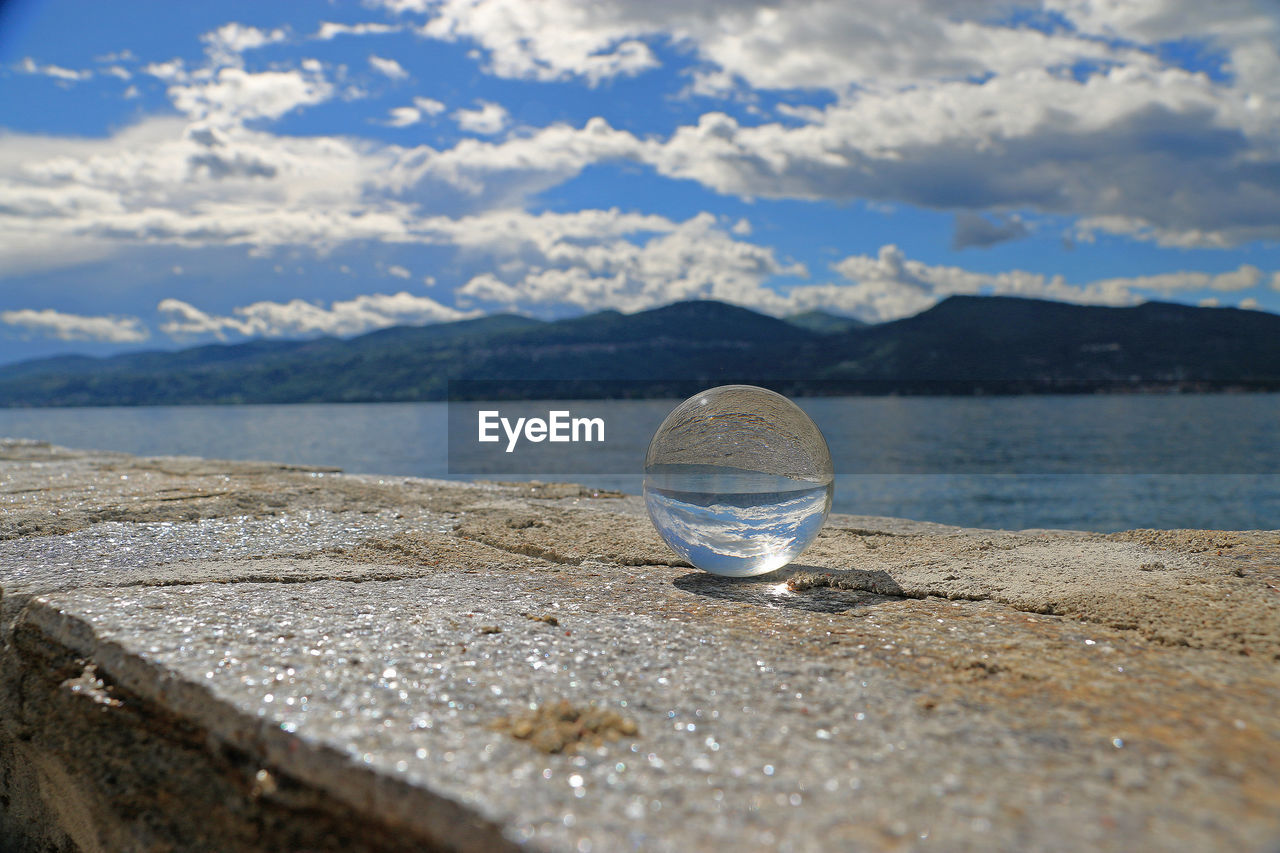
(1087, 462)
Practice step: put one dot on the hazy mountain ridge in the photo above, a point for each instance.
(825, 323)
(965, 344)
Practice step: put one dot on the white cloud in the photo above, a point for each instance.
(171, 183)
(388, 67)
(408, 116)
(872, 45)
(487, 175)
(399, 271)
(77, 327)
(1249, 304)
(164, 181)
(890, 285)
(549, 40)
(715, 83)
(1247, 32)
(813, 43)
(1149, 154)
(172, 70)
(609, 259)
(597, 259)
(429, 106)
(231, 95)
(298, 318)
(232, 39)
(57, 72)
(403, 116)
(224, 93)
(1245, 277)
(489, 118)
(330, 30)
(946, 103)
(957, 113)
(125, 55)
(509, 234)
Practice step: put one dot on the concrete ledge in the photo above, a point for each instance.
(245, 656)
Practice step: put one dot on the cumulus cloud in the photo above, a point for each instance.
(173, 69)
(408, 116)
(232, 95)
(946, 104)
(890, 285)
(812, 43)
(870, 45)
(600, 259)
(232, 39)
(487, 119)
(1130, 150)
(330, 30)
(57, 72)
(77, 327)
(477, 175)
(957, 111)
(222, 92)
(609, 259)
(935, 103)
(163, 181)
(218, 183)
(429, 106)
(1245, 277)
(542, 41)
(403, 116)
(388, 67)
(298, 318)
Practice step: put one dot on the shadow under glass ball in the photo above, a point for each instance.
(738, 480)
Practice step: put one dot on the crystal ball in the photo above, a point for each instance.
(738, 480)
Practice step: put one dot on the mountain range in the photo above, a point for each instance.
(963, 345)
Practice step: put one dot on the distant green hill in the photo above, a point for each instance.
(963, 345)
(824, 323)
(1004, 341)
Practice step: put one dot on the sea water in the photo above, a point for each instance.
(735, 522)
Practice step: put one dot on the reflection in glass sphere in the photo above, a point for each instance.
(738, 480)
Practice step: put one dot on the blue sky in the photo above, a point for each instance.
(174, 173)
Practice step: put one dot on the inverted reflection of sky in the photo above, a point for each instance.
(738, 533)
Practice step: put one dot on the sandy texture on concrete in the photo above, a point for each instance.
(247, 656)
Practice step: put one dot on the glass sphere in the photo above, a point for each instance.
(738, 480)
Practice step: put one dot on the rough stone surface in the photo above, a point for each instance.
(246, 656)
